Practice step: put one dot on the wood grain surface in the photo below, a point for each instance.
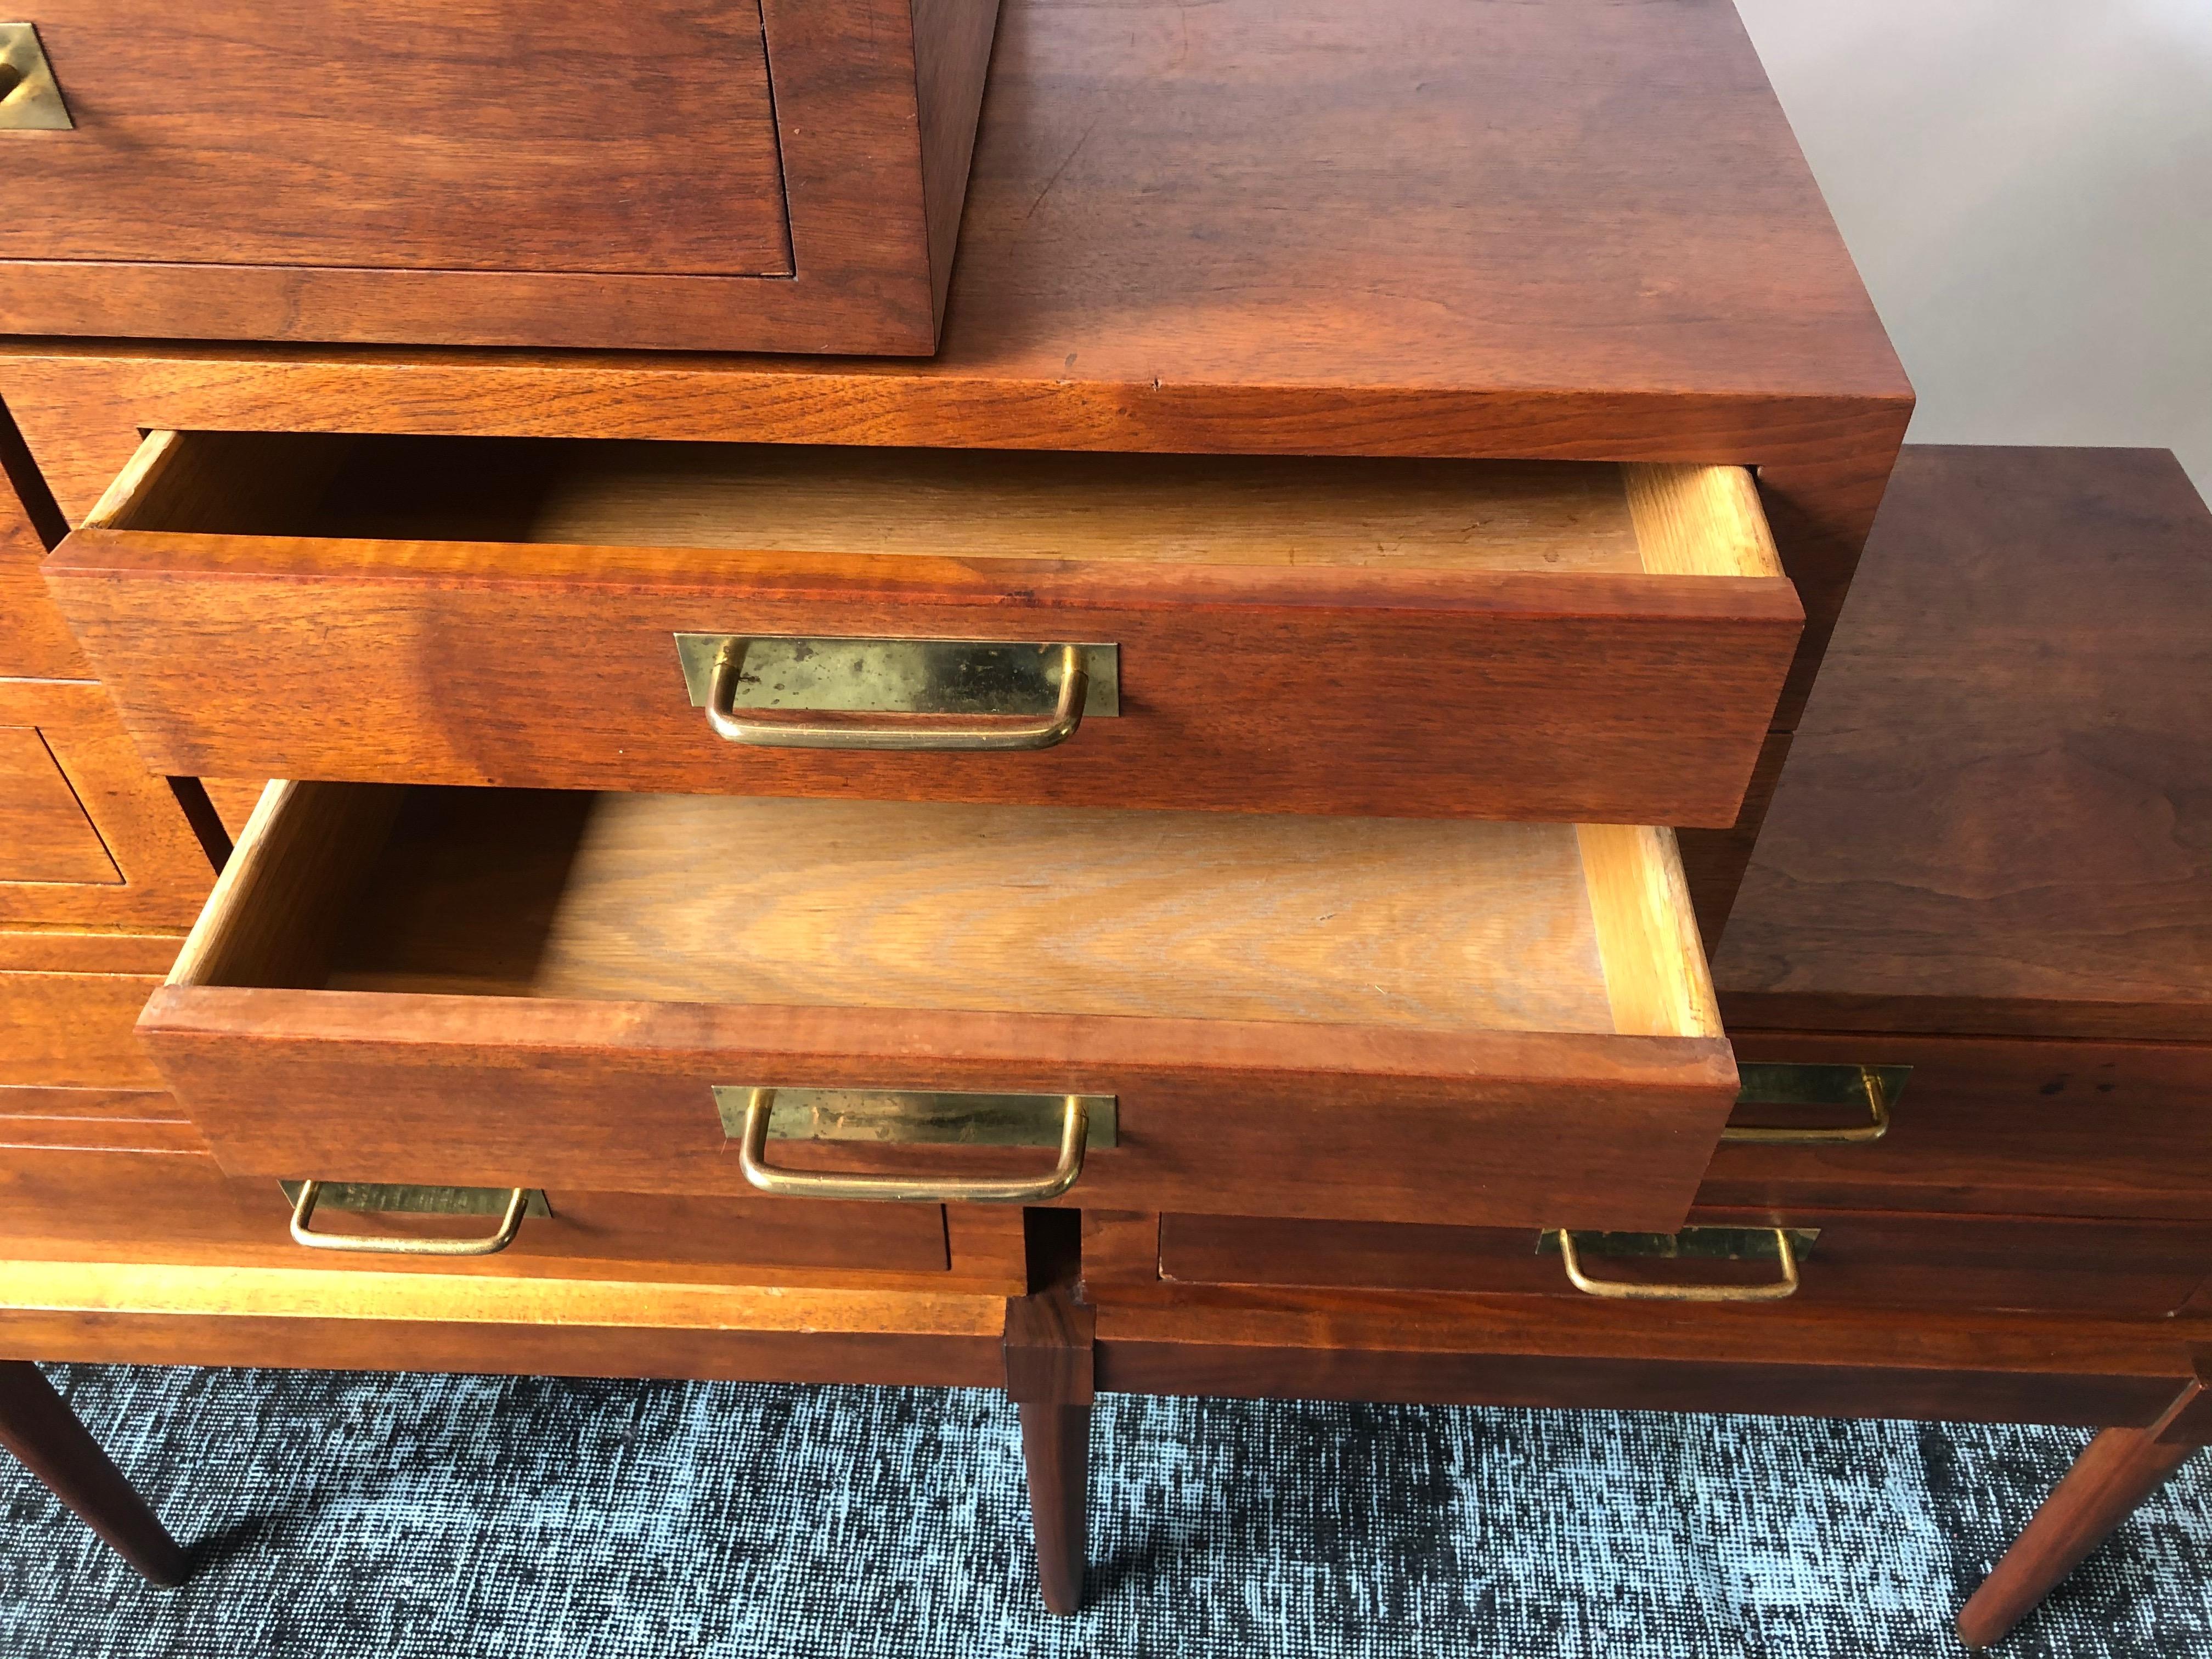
(439, 175)
(150, 1189)
(1159, 260)
(617, 1089)
(61, 1028)
(1484, 643)
(91, 837)
(2026, 1127)
(1656, 977)
(408, 135)
(218, 1313)
(1149, 264)
(45, 835)
(2115, 1269)
(672, 898)
(1992, 820)
(34, 640)
(1222, 302)
(1637, 177)
(1559, 518)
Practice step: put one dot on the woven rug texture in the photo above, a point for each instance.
(345, 1515)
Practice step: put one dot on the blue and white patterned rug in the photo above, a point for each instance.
(343, 1516)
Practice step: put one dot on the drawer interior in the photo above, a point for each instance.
(1554, 516)
(1451, 927)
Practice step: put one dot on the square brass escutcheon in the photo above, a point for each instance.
(30, 101)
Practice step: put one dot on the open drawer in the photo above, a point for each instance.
(1546, 641)
(1467, 1022)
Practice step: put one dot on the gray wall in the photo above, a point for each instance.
(2026, 185)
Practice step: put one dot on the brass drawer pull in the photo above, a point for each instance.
(752, 1158)
(29, 100)
(897, 694)
(1785, 1252)
(1874, 1087)
(303, 1211)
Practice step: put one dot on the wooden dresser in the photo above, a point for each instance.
(1178, 793)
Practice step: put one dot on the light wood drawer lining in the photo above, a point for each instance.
(1557, 517)
(1427, 926)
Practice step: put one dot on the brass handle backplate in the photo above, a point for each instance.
(519, 1200)
(1074, 1124)
(775, 692)
(1723, 1243)
(1872, 1090)
(30, 101)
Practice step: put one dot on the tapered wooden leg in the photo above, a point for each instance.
(1049, 1378)
(1056, 1450)
(46, 1438)
(2116, 1472)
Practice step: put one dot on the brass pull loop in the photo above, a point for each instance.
(910, 731)
(303, 1211)
(752, 1158)
(1619, 1291)
(1874, 1088)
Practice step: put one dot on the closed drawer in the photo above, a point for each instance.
(68, 1002)
(2120, 1269)
(2002, 1125)
(538, 173)
(572, 1227)
(111, 1168)
(1475, 1022)
(406, 135)
(1554, 642)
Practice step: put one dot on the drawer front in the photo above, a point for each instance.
(45, 835)
(576, 1226)
(1983, 1125)
(67, 1006)
(2119, 1269)
(401, 135)
(113, 1169)
(88, 835)
(537, 174)
(86, 1169)
(1395, 687)
(502, 989)
(180, 1204)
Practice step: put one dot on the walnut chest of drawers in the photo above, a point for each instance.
(1391, 470)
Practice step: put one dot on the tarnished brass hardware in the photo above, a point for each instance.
(305, 1194)
(30, 101)
(1781, 1244)
(1872, 1089)
(947, 694)
(752, 1158)
(918, 1117)
(387, 1198)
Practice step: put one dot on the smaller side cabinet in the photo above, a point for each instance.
(766, 175)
